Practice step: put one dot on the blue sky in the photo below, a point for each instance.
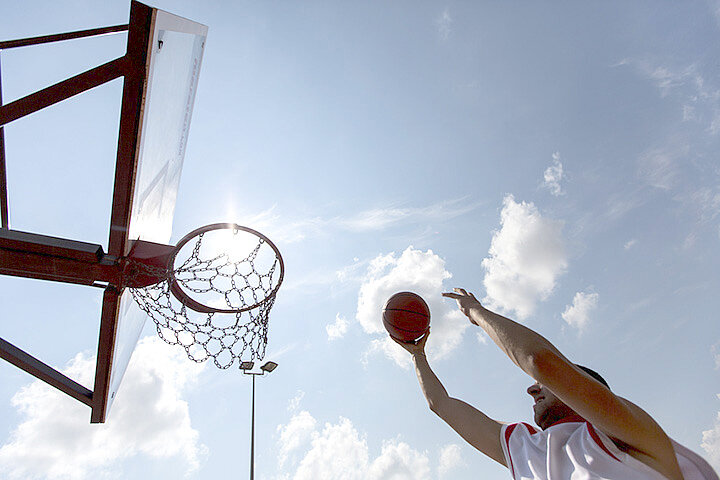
(558, 160)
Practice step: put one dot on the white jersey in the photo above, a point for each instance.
(573, 450)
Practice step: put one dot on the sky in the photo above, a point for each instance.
(558, 160)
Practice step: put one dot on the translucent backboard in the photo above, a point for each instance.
(174, 57)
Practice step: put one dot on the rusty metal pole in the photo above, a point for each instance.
(4, 210)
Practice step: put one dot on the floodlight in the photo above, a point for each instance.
(269, 366)
(246, 365)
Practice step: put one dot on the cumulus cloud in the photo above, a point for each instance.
(296, 433)
(340, 451)
(526, 256)
(578, 314)
(149, 418)
(338, 329)
(450, 458)
(553, 176)
(711, 442)
(416, 271)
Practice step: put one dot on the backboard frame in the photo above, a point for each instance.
(34, 255)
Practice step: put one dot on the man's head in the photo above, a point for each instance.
(549, 409)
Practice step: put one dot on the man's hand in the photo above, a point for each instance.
(466, 302)
(415, 348)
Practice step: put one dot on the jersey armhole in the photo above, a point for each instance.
(505, 432)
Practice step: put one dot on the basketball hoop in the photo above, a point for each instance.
(211, 293)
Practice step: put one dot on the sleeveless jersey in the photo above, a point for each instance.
(575, 450)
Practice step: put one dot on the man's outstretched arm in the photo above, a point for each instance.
(536, 356)
(476, 428)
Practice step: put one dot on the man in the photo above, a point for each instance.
(588, 432)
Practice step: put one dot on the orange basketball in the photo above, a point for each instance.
(406, 316)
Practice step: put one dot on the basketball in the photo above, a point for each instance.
(406, 316)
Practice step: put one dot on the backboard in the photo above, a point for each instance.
(160, 70)
(175, 52)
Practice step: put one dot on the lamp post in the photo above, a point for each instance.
(266, 368)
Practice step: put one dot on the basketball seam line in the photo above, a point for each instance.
(404, 310)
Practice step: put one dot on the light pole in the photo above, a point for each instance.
(246, 367)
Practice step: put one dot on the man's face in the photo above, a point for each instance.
(548, 409)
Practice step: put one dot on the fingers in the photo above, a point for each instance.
(459, 293)
(422, 340)
(399, 342)
(407, 345)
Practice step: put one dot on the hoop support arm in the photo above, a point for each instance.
(63, 90)
(58, 37)
(44, 372)
(43, 257)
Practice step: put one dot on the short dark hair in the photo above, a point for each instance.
(593, 374)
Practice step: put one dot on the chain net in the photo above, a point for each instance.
(236, 274)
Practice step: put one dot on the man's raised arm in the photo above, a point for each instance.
(476, 428)
(536, 356)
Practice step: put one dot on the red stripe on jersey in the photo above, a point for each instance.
(530, 428)
(596, 437)
(508, 432)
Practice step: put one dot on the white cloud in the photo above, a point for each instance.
(444, 24)
(382, 218)
(526, 256)
(716, 355)
(699, 100)
(339, 451)
(415, 271)
(715, 7)
(349, 272)
(703, 202)
(296, 433)
(336, 452)
(629, 244)
(288, 230)
(294, 402)
(149, 417)
(667, 79)
(450, 458)
(398, 461)
(659, 167)
(690, 240)
(338, 329)
(553, 176)
(711, 442)
(578, 314)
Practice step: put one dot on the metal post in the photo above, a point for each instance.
(252, 432)
(246, 367)
(4, 210)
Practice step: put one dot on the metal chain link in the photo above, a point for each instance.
(224, 337)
